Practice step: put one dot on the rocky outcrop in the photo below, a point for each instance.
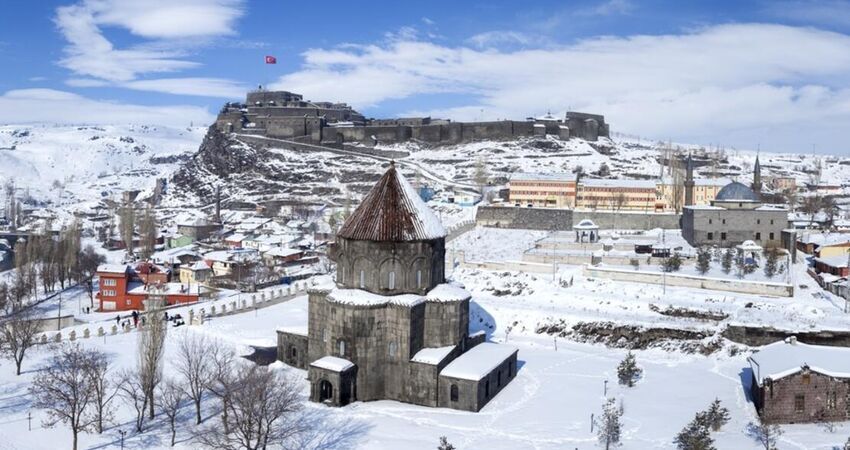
(634, 336)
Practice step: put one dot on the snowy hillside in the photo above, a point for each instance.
(91, 163)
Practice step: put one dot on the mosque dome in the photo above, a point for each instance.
(736, 192)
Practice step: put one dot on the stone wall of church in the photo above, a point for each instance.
(390, 268)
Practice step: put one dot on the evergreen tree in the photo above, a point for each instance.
(771, 263)
(628, 371)
(695, 436)
(445, 445)
(703, 260)
(672, 264)
(716, 416)
(726, 262)
(609, 427)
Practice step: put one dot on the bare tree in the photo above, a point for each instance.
(134, 394)
(63, 390)
(811, 206)
(620, 200)
(263, 411)
(480, 173)
(103, 390)
(89, 260)
(194, 362)
(170, 398)
(128, 217)
(151, 350)
(18, 334)
(148, 232)
(221, 380)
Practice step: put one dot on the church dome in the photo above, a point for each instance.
(392, 212)
(736, 192)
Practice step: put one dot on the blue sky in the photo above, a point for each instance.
(741, 74)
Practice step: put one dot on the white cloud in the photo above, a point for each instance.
(24, 106)
(173, 26)
(499, 38)
(821, 12)
(706, 84)
(204, 87)
(608, 8)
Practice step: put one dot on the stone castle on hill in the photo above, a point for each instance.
(286, 115)
(390, 327)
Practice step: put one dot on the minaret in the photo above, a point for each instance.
(689, 182)
(757, 176)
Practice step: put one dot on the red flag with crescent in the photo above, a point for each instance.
(271, 59)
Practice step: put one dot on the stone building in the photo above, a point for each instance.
(735, 215)
(794, 382)
(389, 326)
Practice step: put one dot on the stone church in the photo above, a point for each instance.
(389, 327)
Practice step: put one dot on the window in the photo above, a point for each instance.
(710, 236)
(807, 378)
(293, 352)
(499, 379)
(709, 221)
(109, 282)
(510, 370)
(341, 348)
(799, 403)
(391, 349)
(325, 335)
(771, 221)
(758, 236)
(724, 221)
(771, 236)
(418, 279)
(362, 279)
(831, 400)
(453, 393)
(128, 302)
(758, 221)
(723, 236)
(391, 281)
(487, 388)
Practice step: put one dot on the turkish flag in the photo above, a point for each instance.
(271, 60)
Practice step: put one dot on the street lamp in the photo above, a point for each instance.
(122, 432)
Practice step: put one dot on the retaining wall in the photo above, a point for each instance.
(716, 284)
(564, 219)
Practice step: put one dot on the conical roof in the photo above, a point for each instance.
(392, 211)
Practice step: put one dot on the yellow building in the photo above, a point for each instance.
(705, 190)
(198, 273)
(557, 190)
(626, 195)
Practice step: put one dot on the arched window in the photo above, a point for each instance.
(391, 281)
(362, 279)
(487, 388)
(325, 335)
(453, 393)
(293, 352)
(391, 349)
(341, 348)
(342, 280)
(419, 279)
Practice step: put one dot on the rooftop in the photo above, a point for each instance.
(432, 356)
(543, 177)
(736, 191)
(785, 358)
(392, 211)
(476, 363)
(332, 363)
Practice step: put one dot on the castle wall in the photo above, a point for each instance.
(563, 219)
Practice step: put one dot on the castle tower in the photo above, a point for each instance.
(689, 182)
(757, 177)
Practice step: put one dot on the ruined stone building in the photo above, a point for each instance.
(286, 115)
(389, 326)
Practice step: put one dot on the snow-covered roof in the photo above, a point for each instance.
(238, 237)
(749, 246)
(448, 293)
(788, 357)
(112, 268)
(282, 252)
(392, 211)
(365, 298)
(440, 293)
(825, 239)
(167, 289)
(585, 224)
(332, 363)
(479, 361)
(639, 184)
(172, 256)
(432, 356)
(199, 265)
(543, 177)
(834, 261)
(300, 330)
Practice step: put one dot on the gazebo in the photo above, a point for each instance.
(586, 231)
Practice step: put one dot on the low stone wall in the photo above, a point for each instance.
(716, 284)
(545, 257)
(758, 336)
(564, 219)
